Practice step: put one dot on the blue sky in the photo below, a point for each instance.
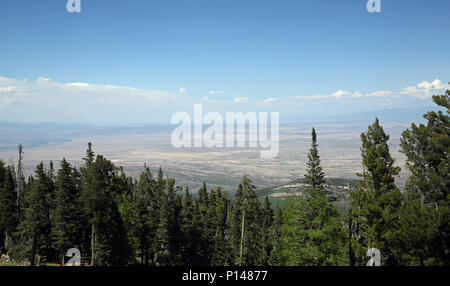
(146, 59)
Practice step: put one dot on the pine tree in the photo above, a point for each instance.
(206, 239)
(109, 242)
(267, 231)
(67, 232)
(375, 203)
(427, 147)
(191, 231)
(250, 248)
(275, 258)
(315, 177)
(236, 222)
(312, 232)
(88, 199)
(2, 178)
(8, 208)
(147, 215)
(218, 214)
(427, 150)
(417, 238)
(20, 185)
(168, 252)
(35, 229)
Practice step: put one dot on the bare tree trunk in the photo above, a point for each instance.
(242, 236)
(350, 249)
(92, 244)
(33, 248)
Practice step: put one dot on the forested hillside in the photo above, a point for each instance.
(114, 219)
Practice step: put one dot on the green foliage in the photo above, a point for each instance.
(427, 148)
(8, 207)
(169, 227)
(102, 186)
(315, 177)
(311, 232)
(35, 229)
(275, 256)
(114, 220)
(146, 216)
(190, 227)
(67, 209)
(376, 202)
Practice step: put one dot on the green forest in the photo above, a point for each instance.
(114, 219)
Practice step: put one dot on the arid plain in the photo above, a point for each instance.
(339, 147)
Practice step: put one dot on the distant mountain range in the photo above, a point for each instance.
(391, 115)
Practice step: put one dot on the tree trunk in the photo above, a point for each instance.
(92, 244)
(350, 249)
(242, 236)
(33, 248)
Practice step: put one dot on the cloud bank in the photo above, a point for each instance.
(43, 100)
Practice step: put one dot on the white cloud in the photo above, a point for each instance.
(43, 79)
(381, 93)
(208, 100)
(240, 100)
(435, 84)
(423, 90)
(356, 94)
(270, 100)
(43, 99)
(47, 100)
(215, 92)
(340, 93)
(79, 84)
(7, 88)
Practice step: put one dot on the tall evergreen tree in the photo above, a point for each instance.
(219, 225)
(8, 208)
(236, 222)
(268, 235)
(20, 185)
(427, 148)
(147, 216)
(190, 228)
(250, 247)
(315, 177)
(68, 211)
(206, 237)
(2, 178)
(168, 252)
(275, 258)
(375, 203)
(35, 229)
(109, 242)
(312, 232)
